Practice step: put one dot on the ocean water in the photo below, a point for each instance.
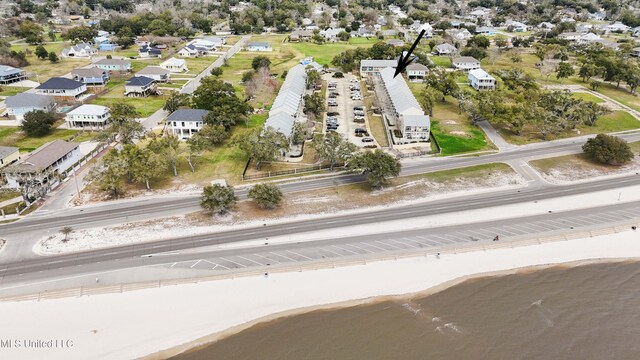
(585, 312)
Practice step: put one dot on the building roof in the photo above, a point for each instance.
(153, 70)
(28, 99)
(43, 157)
(416, 120)
(281, 122)
(465, 59)
(140, 81)
(379, 63)
(149, 49)
(416, 67)
(401, 96)
(92, 72)
(6, 151)
(260, 44)
(174, 61)
(113, 62)
(288, 101)
(188, 115)
(59, 83)
(89, 109)
(9, 70)
(480, 74)
(445, 46)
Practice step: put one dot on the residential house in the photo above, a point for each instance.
(216, 40)
(365, 32)
(206, 45)
(485, 31)
(44, 165)
(415, 127)
(259, 46)
(190, 51)
(515, 26)
(147, 51)
(103, 43)
(465, 63)
(10, 74)
(140, 86)
(91, 77)
(288, 105)
(300, 35)
(184, 123)
(445, 49)
(62, 89)
(82, 50)
(416, 72)
(8, 155)
(373, 67)
(20, 104)
(111, 65)
(88, 117)
(418, 27)
(481, 80)
(546, 26)
(395, 42)
(618, 27)
(331, 34)
(570, 36)
(388, 32)
(460, 34)
(156, 73)
(588, 38)
(174, 65)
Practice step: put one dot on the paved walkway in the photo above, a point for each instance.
(10, 201)
(528, 173)
(495, 136)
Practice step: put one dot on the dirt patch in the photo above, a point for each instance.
(459, 133)
(571, 168)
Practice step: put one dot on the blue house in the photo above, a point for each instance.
(119, 65)
(20, 104)
(91, 77)
(9, 74)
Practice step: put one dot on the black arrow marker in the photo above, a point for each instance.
(403, 62)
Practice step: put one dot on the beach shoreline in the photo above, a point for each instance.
(215, 337)
(160, 322)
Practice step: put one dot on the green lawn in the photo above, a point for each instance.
(145, 106)
(197, 65)
(612, 122)
(471, 172)
(11, 136)
(620, 94)
(454, 144)
(443, 61)
(44, 69)
(323, 54)
(587, 97)
(12, 90)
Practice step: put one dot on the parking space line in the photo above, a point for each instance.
(338, 247)
(244, 258)
(266, 258)
(233, 262)
(377, 247)
(194, 264)
(358, 247)
(174, 264)
(295, 253)
(327, 250)
(216, 266)
(282, 256)
(446, 242)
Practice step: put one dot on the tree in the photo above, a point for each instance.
(37, 123)
(80, 34)
(267, 196)
(124, 126)
(220, 99)
(475, 52)
(344, 36)
(41, 52)
(146, 165)
(376, 165)
(66, 231)
(592, 112)
(196, 146)
(501, 42)
(261, 146)
(299, 133)
(216, 71)
(175, 101)
(313, 78)
(564, 70)
(427, 99)
(260, 61)
(314, 104)
(31, 31)
(169, 148)
(109, 171)
(442, 81)
(53, 57)
(218, 199)
(608, 149)
(125, 37)
(333, 148)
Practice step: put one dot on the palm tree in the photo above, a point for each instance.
(66, 231)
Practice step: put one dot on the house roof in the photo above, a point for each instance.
(465, 59)
(188, 115)
(89, 109)
(149, 49)
(9, 70)
(416, 120)
(174, 61)
(93, 72)
(28, 99)
(43, 157)
(113, 62)
(58, 83)
(6, 151)
(416, 67)
(480, 74)
(445, 46)
(281, 122)
(260, 44)
(140, 81)
(401, 96)
(287, 103)
(153, 70)
(378, 63)
(300, 32)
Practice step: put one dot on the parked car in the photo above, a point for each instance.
(360, 108)
(359, 113)
(332, 113)
(367, 140)
(360, 130)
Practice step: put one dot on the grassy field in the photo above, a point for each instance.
(472, 172)
(11, 136)
(323, 54)
(6, 195)
(443, 61)
(44, 69)
(620, 94)
(587, 97)
(197, 65)
(145, 106)
(12, 90)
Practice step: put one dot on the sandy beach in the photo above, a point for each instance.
(156, 323)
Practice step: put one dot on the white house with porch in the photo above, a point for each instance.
(184, 123)
(481, 80)
(175, 65)
(88, 117)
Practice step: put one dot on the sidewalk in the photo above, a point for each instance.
(495, 137)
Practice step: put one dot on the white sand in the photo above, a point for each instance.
(138, 323)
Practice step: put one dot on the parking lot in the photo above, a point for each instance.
(346, 113)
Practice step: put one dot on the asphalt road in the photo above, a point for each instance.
(478, 201)
(136, 210)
